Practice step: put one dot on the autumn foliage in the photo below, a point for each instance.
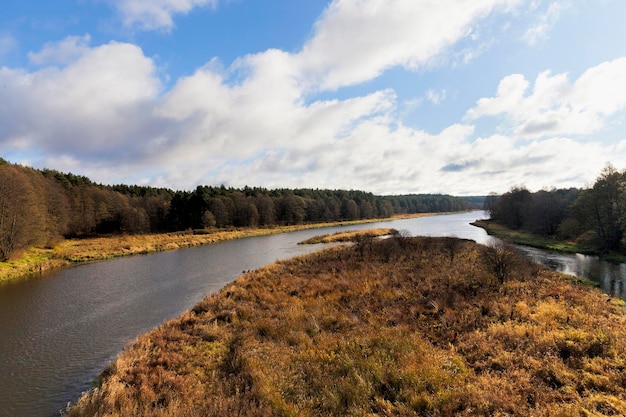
(412, 327)
(42, 207)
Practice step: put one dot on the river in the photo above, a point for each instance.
(59, 330)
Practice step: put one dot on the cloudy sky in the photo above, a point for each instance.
(462, 97)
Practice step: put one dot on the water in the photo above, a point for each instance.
(610, 277)
(59, 331)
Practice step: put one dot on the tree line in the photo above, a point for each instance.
(593, 217)
(43, 206)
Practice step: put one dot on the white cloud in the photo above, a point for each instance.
(106, 107)
(65, 52)
(357, 40)
(90, 108)
(378, 157)
(556, 106)
(546, 22)
(264, 111)
(101, 111)
(156, 14)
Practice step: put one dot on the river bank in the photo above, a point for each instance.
(71, 251)
(540, 242)
(529, 239)
(409, 327)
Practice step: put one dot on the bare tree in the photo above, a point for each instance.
(500, 259)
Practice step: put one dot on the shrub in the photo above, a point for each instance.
(500, 259)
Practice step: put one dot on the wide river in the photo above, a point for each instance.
(58, 331)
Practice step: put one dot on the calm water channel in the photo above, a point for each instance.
(58, 331)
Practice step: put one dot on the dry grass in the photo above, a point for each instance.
(417, 328)
(65, 252)
(349, 236)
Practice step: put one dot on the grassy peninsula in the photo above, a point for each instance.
(404, 327)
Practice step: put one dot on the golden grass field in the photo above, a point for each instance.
(349, 236)
(402, 327)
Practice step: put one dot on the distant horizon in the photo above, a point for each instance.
(399, 97)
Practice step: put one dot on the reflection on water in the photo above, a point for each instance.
(609, 276)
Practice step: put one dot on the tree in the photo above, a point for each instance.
(57, 209)
(366, 209)
(491, 203)
(331, 209)
(156, 208)
(246, 213)
(179, 216)
(134, 220)
(451, 245)
(217, 206)
(349, 210)
(21, 218)
(547, 211)
(292, 209)
(265, 208)
(603, 208)
(512, 208)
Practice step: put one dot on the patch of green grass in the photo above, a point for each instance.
(29, 261)
(529, 239)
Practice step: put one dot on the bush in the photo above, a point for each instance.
(500, 259)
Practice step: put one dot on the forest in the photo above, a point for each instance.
(594, 218)
(40, 207)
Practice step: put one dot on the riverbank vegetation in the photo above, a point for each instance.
(349, 236)
(521, 237)
(590, 220)
(408, 326)
(41, 208)
(69, 251)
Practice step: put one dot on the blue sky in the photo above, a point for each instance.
(390, 96)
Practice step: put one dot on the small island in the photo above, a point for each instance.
(349, 236)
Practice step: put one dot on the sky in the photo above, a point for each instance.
(461, 97)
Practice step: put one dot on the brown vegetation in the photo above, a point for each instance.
(414, 326)
(349, 236)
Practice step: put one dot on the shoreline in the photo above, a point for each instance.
(540, 242)
(35, 260)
